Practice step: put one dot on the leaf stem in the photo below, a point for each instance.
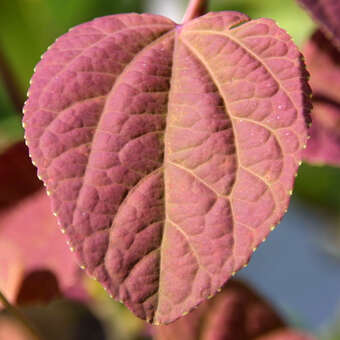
(195, 9)
(19, 316)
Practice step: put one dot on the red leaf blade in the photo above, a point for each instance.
(169, 151)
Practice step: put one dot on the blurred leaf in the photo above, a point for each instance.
(322, 60)
(326, 13)
(30, 241)
(235, 313)
(323, 63)
(18, 177)
(287, 13)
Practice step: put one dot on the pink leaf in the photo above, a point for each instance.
(322, 59)
(236, 313)
(34, 259)
(169, 151)
(326, 13)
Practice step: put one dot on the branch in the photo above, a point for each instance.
(195, 9)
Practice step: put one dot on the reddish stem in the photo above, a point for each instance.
(195, 9)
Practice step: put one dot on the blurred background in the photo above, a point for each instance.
(298, 268)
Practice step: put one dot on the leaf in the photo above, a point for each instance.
(18, 177)
(326, 13)
(34, 259)
(236, 313)
(323, 61)
(287, 334)
(169, 151)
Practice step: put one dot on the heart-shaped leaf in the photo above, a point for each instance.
(323, 61)
(236, 313)
(169, 150)
(326, 13)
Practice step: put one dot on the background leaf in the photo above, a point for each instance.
(33, 249)
(326, 13)
(235, 313)
(323, 62)
(18, 177)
